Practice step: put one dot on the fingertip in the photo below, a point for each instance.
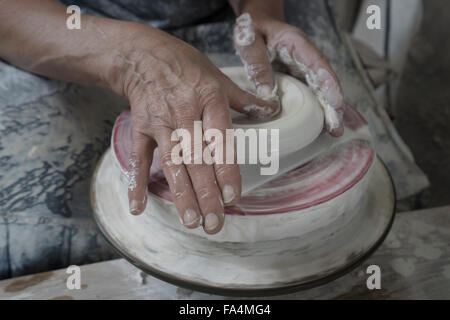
(262, 109)
(334, 118)
(136, 212)
(336, 132)
(191, 219)
(230, 195)
(213, 222)
(264, 91)
(137, 206)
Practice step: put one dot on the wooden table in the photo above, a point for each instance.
(414, 262)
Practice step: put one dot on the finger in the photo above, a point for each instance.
(139, 163)
(304, 59)
(178, 179)
(216, 121)
(251, 47)
(203, 179)
(245, 102)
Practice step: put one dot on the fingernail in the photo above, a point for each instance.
(135, 206)
(228, 193)
(211, 221)
(263, 91)
(190, 218)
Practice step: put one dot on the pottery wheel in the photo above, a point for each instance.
(260, 268)
(330, 208)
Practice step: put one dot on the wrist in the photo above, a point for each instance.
(123, 58)
(144, 56)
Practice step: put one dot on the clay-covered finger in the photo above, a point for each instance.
(251, 47)
(203, 179)
(220, 143)
(180, 185)
(305, 60)
(139, 163)
(208, 195)
(245, 102)
(325, 84)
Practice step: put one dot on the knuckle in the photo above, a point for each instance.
(206, 193)
(165, 158)
(180, 195)
(145, 125)
(140, 124)
(185, 114)
(228, 172)
(139, 142)
(194, 157)
(183, 104)
(180, 104)
(196, 145)
(211, 94)
(213, 141)
(185, 120)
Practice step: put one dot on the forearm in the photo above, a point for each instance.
(34, 37)
(259, 8)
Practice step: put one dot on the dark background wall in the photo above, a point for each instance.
(423, 104)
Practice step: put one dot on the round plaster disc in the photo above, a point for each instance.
(255, 269)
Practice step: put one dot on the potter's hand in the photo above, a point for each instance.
(170, 85)
(260, 37)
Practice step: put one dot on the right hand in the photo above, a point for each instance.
(170, 85)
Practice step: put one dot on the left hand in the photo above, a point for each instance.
(260, 39)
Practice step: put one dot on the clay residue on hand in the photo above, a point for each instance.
(133, 165)
(321, 82)
(244, 34)
(263, 91)
(260, 112)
